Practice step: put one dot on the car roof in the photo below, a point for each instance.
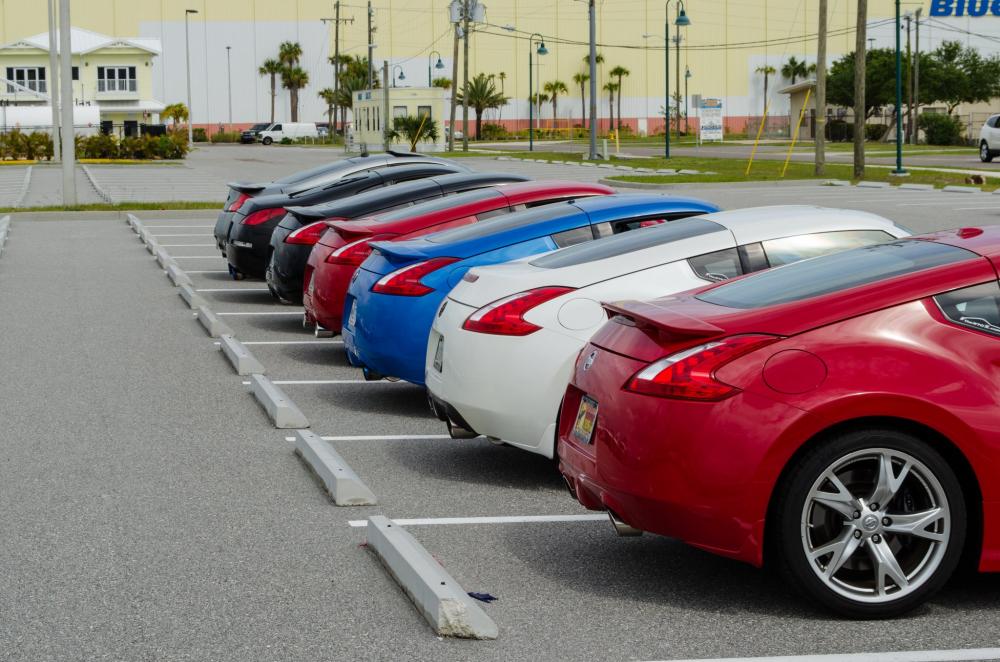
(752, 224)
(622, 205)
(532, 191)
(982, 240)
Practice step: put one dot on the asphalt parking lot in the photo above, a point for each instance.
(168, 519)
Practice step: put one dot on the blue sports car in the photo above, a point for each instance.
(396, 292)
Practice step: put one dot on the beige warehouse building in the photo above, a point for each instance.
(723, 48)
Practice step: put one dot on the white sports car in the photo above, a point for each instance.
(504, 343)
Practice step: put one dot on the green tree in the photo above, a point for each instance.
(329, 97)
(483, 95)
(794, 69)
(443, 82)
(768, 71)
(293, 79)
(611, 88)
(271, 67)
(537, 100)
(177, 112)
(958, 74)
(554, 89)
(619, 72)
(581, 79)
(414, 129)
(598, 59)
(880, 80)
(289, 53)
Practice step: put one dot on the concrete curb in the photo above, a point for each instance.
(446, 606)
(340, 481)
(243, 361)
(191, 298)
(177, 275)
(213, 325)
(152, 246)
(916, 187)
(867, 184)
(279, 407)
(962, 189)
(101, 193)
(19, 200)
(163, 258)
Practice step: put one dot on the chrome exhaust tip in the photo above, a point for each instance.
(320, 332)
(621, 528)
(572, 490)
(458, 432)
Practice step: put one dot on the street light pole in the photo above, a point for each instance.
(53, 82)
(402, 76)
(687, 77)
(66, 93)
(593, 80)
(531, 102)
(187, 55)
(439, 65)
(666, 74)
(229, 83)
(899, 101)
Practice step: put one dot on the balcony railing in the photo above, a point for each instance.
(116, 85)
(36, 85)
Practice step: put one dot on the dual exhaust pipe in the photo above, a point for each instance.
(622, 528)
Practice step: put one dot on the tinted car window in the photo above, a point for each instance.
(504, 223)
(792, 249)
(627, 242)
(834, 272)
(976, 307)
(440, 204)
(573, 237)
(720, 265)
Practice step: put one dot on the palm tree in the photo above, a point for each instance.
(611, 88)
(483, 95)
(289, 53)
(176, 111)
(294, 79)
(330, 97)
(444, 83)
(502, 76)
(554, 89)
(598, 59)
(768, 71)
(581, 80)
(793, 69)
(537, 100)
(272, 68)
(619, 72)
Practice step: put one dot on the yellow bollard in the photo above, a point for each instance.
(760, 130)
(795, 136)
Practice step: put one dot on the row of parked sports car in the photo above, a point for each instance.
(807, 387)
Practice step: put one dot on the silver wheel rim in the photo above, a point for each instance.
(984, 151)
(875, 525)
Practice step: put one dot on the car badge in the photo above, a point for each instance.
(590, 360)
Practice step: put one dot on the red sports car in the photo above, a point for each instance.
(838, 417)
(345, 245)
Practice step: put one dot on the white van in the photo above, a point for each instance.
(293, 130)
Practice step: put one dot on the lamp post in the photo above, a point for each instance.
(899, 101)
(439, 65)
(229, 84)
(687, 77)
(402, 76)
(681, 21)
(187, 55)
(531, 102)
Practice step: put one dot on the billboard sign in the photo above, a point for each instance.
(710, 119)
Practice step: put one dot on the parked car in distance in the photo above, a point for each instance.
(300, 229)
(524, 322)
(345, 244)
(240, 192)
(398, 289)
(252, 224)
(989, 139)
(249, 136)
(291, 130)
(835, 417)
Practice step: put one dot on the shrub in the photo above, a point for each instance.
(200, 136)
(875, 132)
(225, 137)
(100, 146)
(941, 129)
(287, 141)
(494, 131)
(839, 131)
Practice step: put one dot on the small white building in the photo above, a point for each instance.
(370, 109)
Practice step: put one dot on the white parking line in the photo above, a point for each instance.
(187, 245)
(299, 382)
(961, 654)
(184, 227)
(293, 342)
(381, 437)
(234, 289)
(183, 235)
(206, 272)
(270, 312)
(197, 257)
(994, 206)
(523, 519)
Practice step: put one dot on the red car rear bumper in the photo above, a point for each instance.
(326, 288)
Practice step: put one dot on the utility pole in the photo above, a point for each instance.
(229, 84)
(454, 91)
(859, 89)
(335, 60)
(899, 101)
(66, 83)
(593, 156)
(677, 71)
(909, 81)
(386, 128)
(187, 56)
(820, 166)
(466, 12)
(915, 132)
(371, 71)
(53, 81)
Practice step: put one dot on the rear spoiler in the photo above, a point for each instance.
(311, 213)
(665, 321)
(397, 252)
(350, 230)
(246, 187)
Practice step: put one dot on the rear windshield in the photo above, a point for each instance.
(634, 240)
(503, 223)
(834, 272)
(441, 204)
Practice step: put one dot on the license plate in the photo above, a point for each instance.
(439, 355)
(586, 416)
(353, 317)
(312, 286)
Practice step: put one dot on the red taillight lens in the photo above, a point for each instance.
(690, 374)
(239, 202)
(354, 253)
(307, 235)
(406, 281)
(263, 216)
(505, 317)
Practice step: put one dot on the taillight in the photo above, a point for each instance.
(690, 374)
(505, 317)
(406, 281)
(239, 202)
(307, 235)
(356, 252)
(263, 216)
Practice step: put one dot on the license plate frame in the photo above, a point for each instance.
(586, 420)
(439, 355)
(352, 318)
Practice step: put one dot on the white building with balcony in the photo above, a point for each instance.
(113, 74)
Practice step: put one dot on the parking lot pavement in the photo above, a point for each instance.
(11, 184)
(500, 521)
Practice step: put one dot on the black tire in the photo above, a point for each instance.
(267, 140)
(985, 154)
(788, 514)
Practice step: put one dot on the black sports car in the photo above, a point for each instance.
(252, 224)
(241, 192)
(301, 228)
